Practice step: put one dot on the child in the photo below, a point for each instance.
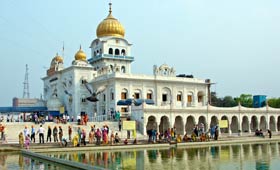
(125, 142)
(20, 139)
(27, 141)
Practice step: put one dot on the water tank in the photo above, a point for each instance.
(259, 101)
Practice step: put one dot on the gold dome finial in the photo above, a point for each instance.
(57, 59)
(110, 26)
(80, 55)
(110, 7)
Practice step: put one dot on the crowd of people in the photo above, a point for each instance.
(170, 135)
(79, 137)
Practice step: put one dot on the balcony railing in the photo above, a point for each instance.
(111, 56)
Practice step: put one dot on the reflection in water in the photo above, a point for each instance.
(235, 157)
(243, 156)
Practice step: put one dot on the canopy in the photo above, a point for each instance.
(136, 102)
(122, 103)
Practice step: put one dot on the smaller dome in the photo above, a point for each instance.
(56, 59)
(80, 55)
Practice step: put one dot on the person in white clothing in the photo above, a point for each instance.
(41, 132)
(26, 131)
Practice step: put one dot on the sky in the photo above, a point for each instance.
(235, 43)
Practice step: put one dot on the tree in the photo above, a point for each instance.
(274, 102)
(245, 100)
(228, 101)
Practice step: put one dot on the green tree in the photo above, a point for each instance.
(216, 101)
(228, 101)
(274, 102)
(245, 100)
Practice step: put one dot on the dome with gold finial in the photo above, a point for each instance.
(56, 59)
(110, 26)
(80, 55)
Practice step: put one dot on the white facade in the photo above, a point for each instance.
(110, 66)
(179, 101)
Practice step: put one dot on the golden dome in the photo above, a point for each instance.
(110, 26)
(80, 55)
(56, 59)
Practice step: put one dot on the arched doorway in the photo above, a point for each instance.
(152, 123)
(202, 119)
(164, 124)
(263, 125)
(190, 124)
(272, 124)
(278, 123)
(234, 126)
(214, 121)
(179, 125)
(225, 129)
(254, 123)
(245, 124)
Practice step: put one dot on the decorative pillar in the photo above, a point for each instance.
(229, 128)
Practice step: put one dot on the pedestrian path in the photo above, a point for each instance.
(12, 130)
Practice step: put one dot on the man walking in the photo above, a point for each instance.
(41, 132)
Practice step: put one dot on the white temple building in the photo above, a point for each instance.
(180, 101)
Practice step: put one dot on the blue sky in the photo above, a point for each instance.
(234, 43)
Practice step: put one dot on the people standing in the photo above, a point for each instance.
(70, 132)
(98, 136)
(91, 136)
(269, 133)
(25, 131)
(49, 134)
(27, 141)
(20, 139)
(112, 138)
(33, 131)
(78, 119)
(2, 129)
(84, 137)
(41, 132)
(60, 134)
(216, 133)
(55, 131)
(120, 125)
(79, 135)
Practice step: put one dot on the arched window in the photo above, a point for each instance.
(200, 96)
(94, 53)
(112, 94)
(179, 96)
(137, 94)
(190, 98)
(150, 94)
(117, 52)
(166, 96)
(123, 52)
(100, 51)
(124, 94)
(83, 98)
(110, 50)
(97, 52)
(123, 69)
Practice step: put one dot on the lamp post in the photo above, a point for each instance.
(170, 109)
